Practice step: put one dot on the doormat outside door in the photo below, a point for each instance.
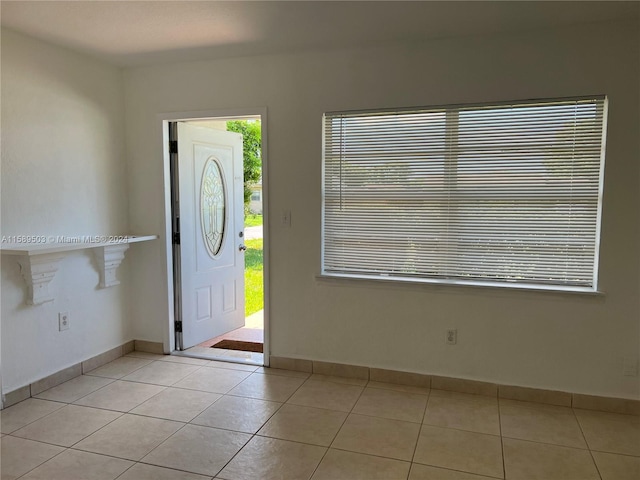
(239, 345)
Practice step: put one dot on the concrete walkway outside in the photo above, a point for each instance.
(251, 233)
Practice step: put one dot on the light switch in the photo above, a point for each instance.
(285, 218)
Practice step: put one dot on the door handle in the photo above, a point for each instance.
(242, 248)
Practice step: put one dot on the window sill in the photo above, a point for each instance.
(362, 279)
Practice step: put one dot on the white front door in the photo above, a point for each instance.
(211, 232)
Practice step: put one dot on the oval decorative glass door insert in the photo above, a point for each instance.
(213, 206)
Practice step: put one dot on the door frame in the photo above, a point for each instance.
(164, 119)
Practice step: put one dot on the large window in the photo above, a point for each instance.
(503, 193)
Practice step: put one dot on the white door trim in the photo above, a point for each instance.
(163, 120)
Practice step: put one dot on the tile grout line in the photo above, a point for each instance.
(113, 380)
(465, 431)
(457, 429)
(103, 455)
(126, 470)
(66, 449)
(504, 463)
(351, 411)
(38, 466)
(122, 458)
(64, 404)
(537, 442)
(378, 417)
(124, 379)
(140, 462)
(120, 416)
(424, 415)
(181, 428)
(584, 437)
(255, 434)
(124, 356)
(368, 415)
(281, 406)
(39, 397)
(83, 438)
(340, 428)
(128, 412)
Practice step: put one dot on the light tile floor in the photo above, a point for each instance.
(152, 417)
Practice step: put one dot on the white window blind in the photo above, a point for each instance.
(507, 193)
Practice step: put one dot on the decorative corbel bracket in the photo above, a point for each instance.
(109, 259)
(38, 271)
(39, 262)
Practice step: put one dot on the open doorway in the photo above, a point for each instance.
(218, 204)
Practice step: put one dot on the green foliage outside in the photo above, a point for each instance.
(253, 282)
(252, 220)
(251, 147)
(252, 162)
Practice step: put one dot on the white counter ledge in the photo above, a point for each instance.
(39, 262)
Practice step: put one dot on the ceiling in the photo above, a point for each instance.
(130, 33)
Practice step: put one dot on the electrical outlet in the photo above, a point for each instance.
(452, 337)
(63, 321)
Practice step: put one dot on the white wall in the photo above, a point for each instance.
(63, 173)
(547, 340)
